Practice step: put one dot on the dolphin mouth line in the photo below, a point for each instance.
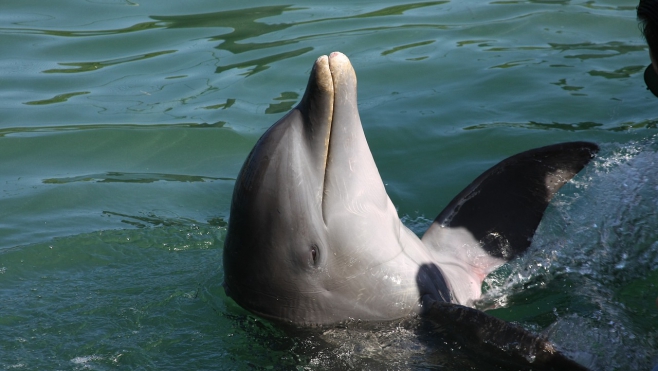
(327, 141)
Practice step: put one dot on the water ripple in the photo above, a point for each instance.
(121, 177)
(97, 65)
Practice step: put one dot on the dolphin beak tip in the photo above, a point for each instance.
(338, 61)
(337, 54)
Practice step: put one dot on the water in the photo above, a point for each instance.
(123, 125)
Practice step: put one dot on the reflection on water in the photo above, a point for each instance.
(144, 26)
(94, 66)
(261, 64)
(542, 126)
(619, 73)
(30, 131)
(241, 24)
(581, 126)
(56, 99)
(409, 46)
(288, 100)
(155, 220)
(123, 127)
(604, 50)
(119, 177)
(228, 104)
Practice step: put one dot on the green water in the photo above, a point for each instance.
(123, 125)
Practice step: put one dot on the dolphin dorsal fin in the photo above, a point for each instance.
(500, 210)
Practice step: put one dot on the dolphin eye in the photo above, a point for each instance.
(314, 254)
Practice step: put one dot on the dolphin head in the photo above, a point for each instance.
(307, 209)
(313, 238)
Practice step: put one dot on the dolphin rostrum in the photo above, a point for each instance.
(313, 237)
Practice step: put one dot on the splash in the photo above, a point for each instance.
(590, 279)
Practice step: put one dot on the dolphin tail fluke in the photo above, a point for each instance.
(494, 219)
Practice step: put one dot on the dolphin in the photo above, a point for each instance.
(314, 239)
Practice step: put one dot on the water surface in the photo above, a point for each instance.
(123, 125)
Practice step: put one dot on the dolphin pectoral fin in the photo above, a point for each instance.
(502, 208)
(495, 340)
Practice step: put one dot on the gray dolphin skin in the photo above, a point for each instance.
(313, 238)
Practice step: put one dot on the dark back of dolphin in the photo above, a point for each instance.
(503, 207)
